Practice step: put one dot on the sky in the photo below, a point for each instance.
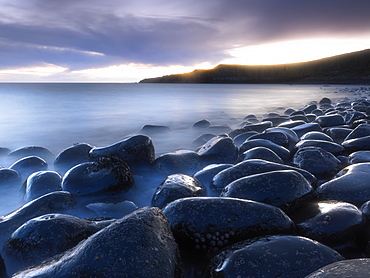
(128, 40)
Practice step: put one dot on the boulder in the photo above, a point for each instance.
(41, 183)
(71, 157)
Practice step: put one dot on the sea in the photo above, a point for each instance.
(58, 115)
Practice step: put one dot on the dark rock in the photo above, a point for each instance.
(288, 111)
(137, 245)
(252, 167)
(291, 124)
(328, 222)
(262, 153)
(304, 128)
(202, 124)
(28, 165)
(272, 256)
(104, 175)
(282, 152)
(357, 144)
(275, 120)
(299, 118)
(317, 112)
(202, 139)
(55, 202)
(240, 139)
(354, 116)
(338, 133)
(205, 225)
(348, 268)
(39, 151)
(219, 149)
(43, 237)
(316, 135)
(330, 120)
(278, 138)
(359, 157)
(133, 150)
(286, 189)
(362, 130)
(112, 210)
(331, 147)
(298, 112)
(41, 183)
(176, 187)
(317, 161)
(349, 185)
(206, 175)
(309, 108)
(9, 177)
(154, 129)
(184, 162)
(258, 127)
(311, 117)
(292, 136)
(71, 157)
(325, 101)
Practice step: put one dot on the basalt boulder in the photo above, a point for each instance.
(330, 120)
(138, 245)
(220, 149)
(262, 153)
(185, 162)
(272, 256)
(39, 151)
(207, 224)
(282, 152)
(28, 165)
(72, 156)
(41, 183)
(347, 268)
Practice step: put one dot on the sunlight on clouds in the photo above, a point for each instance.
(293, 51)
(133, 72)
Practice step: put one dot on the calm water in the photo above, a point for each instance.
(58, 115)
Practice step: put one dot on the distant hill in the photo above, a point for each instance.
(351, 68)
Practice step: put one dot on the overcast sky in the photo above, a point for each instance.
(55, 40)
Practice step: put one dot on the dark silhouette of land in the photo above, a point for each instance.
(351, 68)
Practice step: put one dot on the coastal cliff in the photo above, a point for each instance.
(351, 68)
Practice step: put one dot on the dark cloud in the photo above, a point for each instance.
(164, 32)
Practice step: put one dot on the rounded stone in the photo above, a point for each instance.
(354, 268)
(219, 149)
(272, 256)
(103, 175)
(259, 127)
(316, 135)
(357, 144)
(317, 161)
(282, 152)
(330, 120)
(286, 189)
(185, 162)
(41, 183)
(359, 157)
(202, 124)
(262, 153)
(154, 129)
(72, 156)
(328, 146)
(307, 127)
(278, 138)
(38, 151)
(112, 210)
(28, 165)
(206, 215)
(9, 177)
(360, 131)
(206, 175)
(176, 187)
(338, 133)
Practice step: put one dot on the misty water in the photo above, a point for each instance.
(57, 116)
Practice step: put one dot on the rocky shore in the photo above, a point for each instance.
(287, 195)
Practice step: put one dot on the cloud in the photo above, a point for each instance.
(95, 33)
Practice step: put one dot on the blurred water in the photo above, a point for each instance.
(58, 115)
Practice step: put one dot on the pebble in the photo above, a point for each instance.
(259, 199)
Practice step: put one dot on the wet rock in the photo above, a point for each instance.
(185, 162)
(338, 133)
(317, 112)
(103, 175)
(112, 210)
(260, 127)
(286, 189)
(220, 128)
(55, 202)
(278, 138)
(360, 131)
(41, 183)
(304, 128)
(206, 175)
(347, 268)
(219, 149)
(9, 177)
(316, 135)
(317, 161)
(292, 136)
(154, 129)
(202, 124)
(349, 185)
(272, 256)
(328, 222)
(359, 157)
(202, 139)
(133, 150)
(275, 120)
(325, 101)
(205, 225)
(299, 118)
(357, 144)
(239, 139)
(354, 116)
(291, 124)
(262, 153)
(28, 165)
(43, 237)
(330, 120)
(330, 147)
(282, 152)
(309, 108)
(71, 157)
(176, 187)
(38, 151)
(137, 245)
(252, 167)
